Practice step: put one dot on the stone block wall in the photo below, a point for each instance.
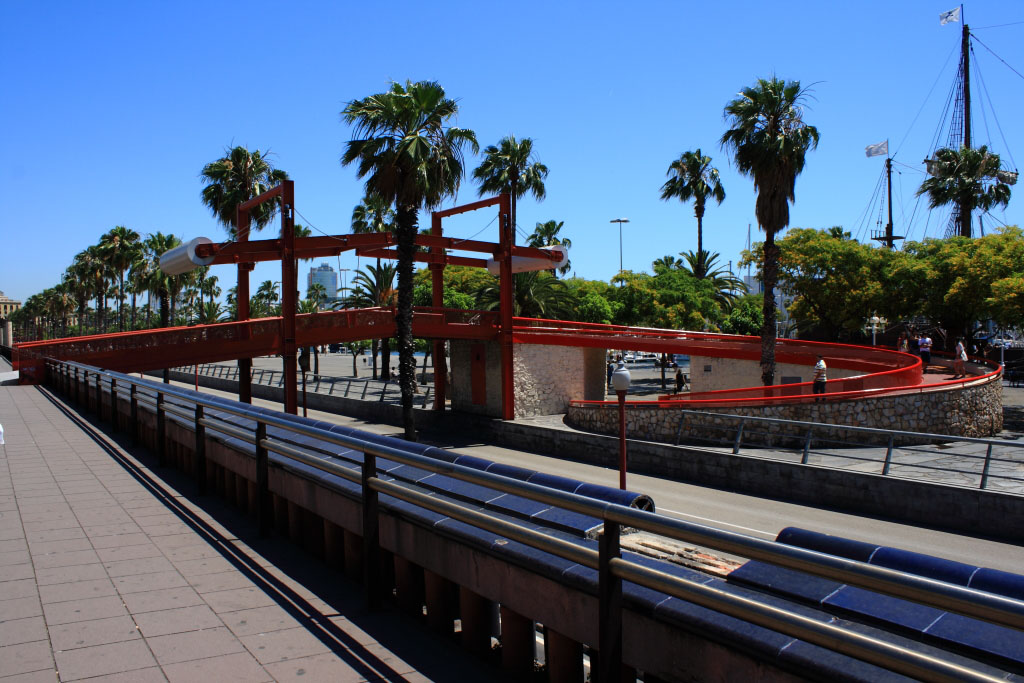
(975, 411)
(735, 373)
(547, 378)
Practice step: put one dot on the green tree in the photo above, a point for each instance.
(692, 176)
(120, 247)
(234, 179)
(510, 167)
(702, 266)
(746, 316)
(546, 235)
(411, 157)
(967, 178)
(666, 262)
(538, 294)
(375, 288)
(837, 282)
(769, 141)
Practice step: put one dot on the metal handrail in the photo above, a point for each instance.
(948, 597)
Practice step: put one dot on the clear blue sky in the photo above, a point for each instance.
(109, 110)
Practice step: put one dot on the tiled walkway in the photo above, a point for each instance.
(110, 573)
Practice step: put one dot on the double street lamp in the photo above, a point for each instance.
(620, 221)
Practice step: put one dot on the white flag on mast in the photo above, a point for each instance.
(880, 149)
(951, 15)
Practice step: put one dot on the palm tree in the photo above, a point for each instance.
(372, 288)
(769, 141)
(546, 235)
(411, 158)
(728, 288)
(78, 278)
(968, 178)
(317, 293)
(265, 298)
(666, 263)
(210, 287)
(508, 167)
(232, 180)
(121, 247)
(692, 176)
(236, 178)
(161, 284)
(138, 273)
(538, 294)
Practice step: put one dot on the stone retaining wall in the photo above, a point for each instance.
(975, 411)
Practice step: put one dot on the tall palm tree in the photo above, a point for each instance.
(138, 274)
(546, 235)
(236, 178)
(769, 141)
(120, 246)
(159, 283)
(692, 176)
(210, 288)
(510, 167)
(968, 178)
(410, 156)
(230, 181)
(373, 214)
(78, 278)
(728, 287)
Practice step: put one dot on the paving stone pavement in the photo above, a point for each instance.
(112, 571)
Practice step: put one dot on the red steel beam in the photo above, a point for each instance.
(466, 208)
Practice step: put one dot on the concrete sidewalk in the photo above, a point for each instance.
(110, 571)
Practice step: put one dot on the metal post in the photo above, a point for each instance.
(113, 403)
(200, 451)
(807, 446)
(262, 481)
(77, 396)
(383, 391)
(289, 284)
(739, 438)
(99, 397)
(888, 457)
(622, 439)
(507, 297)
(242, 303)
(161, 429)
(988, 462)
(371, 533)
(437, 301)
(134, 413)
(609, 592)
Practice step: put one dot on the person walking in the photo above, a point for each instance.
(924, 345)
(680, 380)
(820, 377)
(959, 359)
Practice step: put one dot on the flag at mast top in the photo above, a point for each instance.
(951, 15)
(877, 150)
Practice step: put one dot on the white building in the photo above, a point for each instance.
(782, 302)
(324, 276)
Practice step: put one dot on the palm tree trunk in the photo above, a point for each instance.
(700, 230)
(373, 355)
(385, 359)
(768, 333)
(405, 232)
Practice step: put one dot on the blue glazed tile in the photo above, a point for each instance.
(532, 558)
(511, 471)
(783, 581)
(461, 489)
(829, 665)
(999, 582)
(883, 608)
(924, 565)
(978, 635)
(567, 520)
(472, 461)
(823, 543)
(721, 627)
(555, 482)
(410, 511)
(516, 505)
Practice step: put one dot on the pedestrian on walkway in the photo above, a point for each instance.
(680, 380)
(924, 345)
(959, 359)
(820, 377)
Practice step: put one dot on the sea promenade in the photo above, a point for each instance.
(110, 571)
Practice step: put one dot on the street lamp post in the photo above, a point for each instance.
(620, 221)
(620, 380)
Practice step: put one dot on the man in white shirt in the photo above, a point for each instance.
(925, 346)
(820, 378)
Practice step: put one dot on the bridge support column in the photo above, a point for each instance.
(563, 655)
(353, 555)
(518, 642)
(334, 545)
(442, 598)
(409, 586)
(475, 612)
